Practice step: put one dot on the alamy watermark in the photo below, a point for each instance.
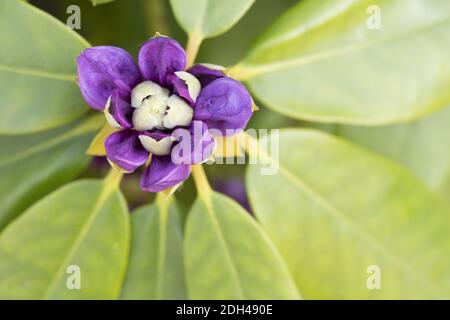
(374, 20)
(73, 281)
(74, 19)
(374, 278)
(253, 147)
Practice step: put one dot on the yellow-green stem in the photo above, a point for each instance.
(113, 179)
(163, 200)
(201, 181)
(192, 48)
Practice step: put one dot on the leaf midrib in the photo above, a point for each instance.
(254, 70)
(89, 125)
(104, 195)
(296, 32)
(163, 212)
(39, 73)
(210, 210)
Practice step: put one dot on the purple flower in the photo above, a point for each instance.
(163, 112)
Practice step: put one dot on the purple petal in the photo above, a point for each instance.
(224, 104)
(196, 145)
(180, 88)
(103, 69)
(121, 109)
(125, 150)
(162, 173)
(205, 75)
(160, 57)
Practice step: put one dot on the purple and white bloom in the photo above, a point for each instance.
(160, 109)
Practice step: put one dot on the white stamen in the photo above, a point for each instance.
(109, 118)
(144, 90)
(150, 115)
(192, 83)
(179, 113)
(157, 148)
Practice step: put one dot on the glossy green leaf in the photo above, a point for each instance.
(155, 267)
(228, 256)
(423, 146)
(33, 165)
(334, 210)
(83, 224)
(209, 18)
(321, 62)
(37, 70)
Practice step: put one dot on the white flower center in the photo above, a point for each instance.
(145, 90)
(178, 113)
(155, 109)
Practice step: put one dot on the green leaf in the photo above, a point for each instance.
(83, 224)
(321, 62)
(209, 18)
(37, 70)
(97, 2)
(228, 256)
(155, 267)
(423, 146)
(334, 209)
(33, 165)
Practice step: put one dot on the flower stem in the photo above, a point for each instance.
(162, 200)
(201, 181)
(113, 179)
(192, 48)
